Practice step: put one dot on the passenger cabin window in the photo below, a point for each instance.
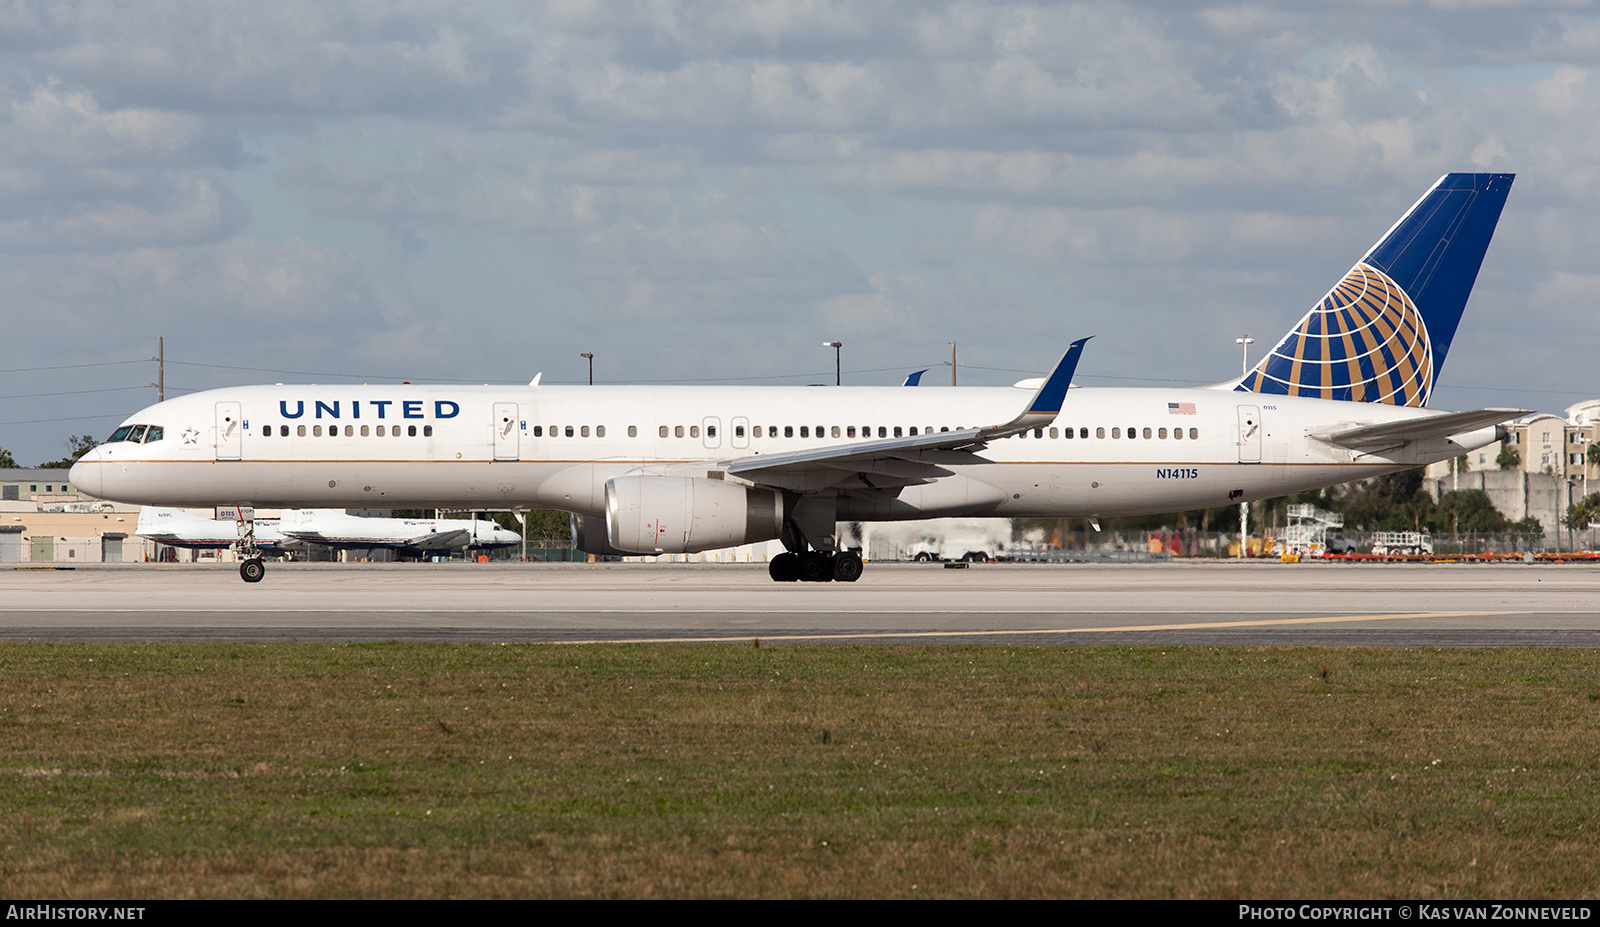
(694, 431)
(427, 431)
(599, 431)
(569, 431)
(584, 431)
(633, 431)
(411, 431)
(1194, 434)
(788, 431)
(677, 431)
(538, 431)
(805, 431)
(1147, 434)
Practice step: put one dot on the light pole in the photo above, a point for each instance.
(837, 370)
(590, 359)
(1244, 362)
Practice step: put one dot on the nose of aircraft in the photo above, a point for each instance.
(88, 473)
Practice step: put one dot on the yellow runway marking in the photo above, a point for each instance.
(869, 635)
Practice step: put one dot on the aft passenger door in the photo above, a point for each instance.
(1250, 434)
(230, 432)
(507, 431)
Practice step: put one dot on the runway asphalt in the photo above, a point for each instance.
(1164, 604)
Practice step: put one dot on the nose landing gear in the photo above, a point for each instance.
(251, 567)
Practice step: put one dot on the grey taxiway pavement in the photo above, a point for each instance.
(1187, 603)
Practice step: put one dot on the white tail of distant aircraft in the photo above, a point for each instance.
(684, 469)
(176, 528)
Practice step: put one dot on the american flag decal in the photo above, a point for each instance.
(1180, 408)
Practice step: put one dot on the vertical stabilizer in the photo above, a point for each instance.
(1381, 334)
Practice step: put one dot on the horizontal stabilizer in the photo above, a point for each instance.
(1390, 434)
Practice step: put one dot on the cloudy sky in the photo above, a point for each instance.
(705, 192)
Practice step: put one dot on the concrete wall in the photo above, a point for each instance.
(1516, 494)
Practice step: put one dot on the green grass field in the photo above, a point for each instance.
(399, 770)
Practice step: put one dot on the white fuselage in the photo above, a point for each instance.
(556, 446)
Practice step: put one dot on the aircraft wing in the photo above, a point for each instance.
(909, 460)
(1389, 434)
(441, 540)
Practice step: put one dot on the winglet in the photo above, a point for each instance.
(1054, 391)
(915, 378)
(1046, 404)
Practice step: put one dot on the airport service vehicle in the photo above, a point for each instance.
(682, 469)
(1402, 544)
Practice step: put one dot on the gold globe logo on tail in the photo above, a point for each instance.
(1364, 342)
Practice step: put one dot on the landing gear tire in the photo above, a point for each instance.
(847, 567)
(784, 568)
(252, 570)
(816, 567)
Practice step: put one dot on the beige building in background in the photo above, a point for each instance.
(1545, 443)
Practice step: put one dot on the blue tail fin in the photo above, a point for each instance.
(1381, 334)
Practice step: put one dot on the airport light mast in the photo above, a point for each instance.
(837, 371)
(590, 358)
(1244, 362)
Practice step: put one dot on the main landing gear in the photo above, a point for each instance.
(251, 567)
(812, 551)
(814, 566)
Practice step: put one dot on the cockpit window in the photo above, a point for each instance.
(121, 434)
(154, 434)
(137, 434)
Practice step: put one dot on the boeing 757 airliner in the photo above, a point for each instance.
(683, 469)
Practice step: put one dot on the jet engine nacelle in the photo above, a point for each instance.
(684, 515)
